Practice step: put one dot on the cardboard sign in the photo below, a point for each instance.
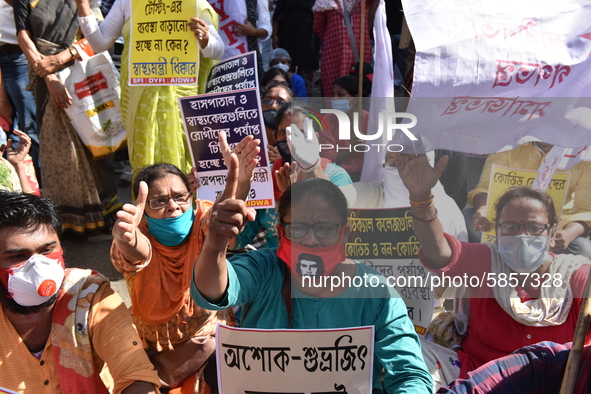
(238, 114)
(295, 361)
(164, 51)
(384, 240)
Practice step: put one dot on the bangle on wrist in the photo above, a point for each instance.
(310, 169)
(428, 203)
(418, 219)
(73, 51)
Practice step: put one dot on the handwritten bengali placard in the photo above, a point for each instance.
(381, 234)
(384, 240)
(295, 361)
(503, 178)
(499, 74)
(237, 73)
(163, 51)
(237, 114)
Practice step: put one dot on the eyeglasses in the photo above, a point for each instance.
(161, 202)
(532, 228)
(269, 101)
(280, 135)
(299, 230)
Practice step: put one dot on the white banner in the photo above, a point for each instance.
(294, 361)
(490, 76)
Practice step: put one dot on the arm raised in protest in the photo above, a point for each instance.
(419, 178)
(246, 151)
(229, 215)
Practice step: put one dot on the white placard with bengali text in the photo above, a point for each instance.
(294, 361)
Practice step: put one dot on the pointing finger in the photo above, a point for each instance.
(232, 180)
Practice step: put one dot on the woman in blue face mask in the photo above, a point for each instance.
(519, 293)
(349, 154)
(156, 240)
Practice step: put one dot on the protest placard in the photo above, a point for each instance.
(503, 178)
(237, 73)
(163, 51)
(494, 75)
(238, 114)
(295, 361)
(384, 240)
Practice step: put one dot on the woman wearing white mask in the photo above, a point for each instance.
(280, 59)
(346, 153)
(520, 293)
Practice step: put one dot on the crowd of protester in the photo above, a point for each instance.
(190, 264)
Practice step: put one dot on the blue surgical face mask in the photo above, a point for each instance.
(282, 66)
(523, 253)
(171, 231)
(341, 104)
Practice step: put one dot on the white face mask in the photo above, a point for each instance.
(282, 66)
(36, 281)
(396, 193)
(341, 104)
(523, 253)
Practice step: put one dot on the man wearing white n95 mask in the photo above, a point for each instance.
(59, 326)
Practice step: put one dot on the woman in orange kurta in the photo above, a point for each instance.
(166, 236)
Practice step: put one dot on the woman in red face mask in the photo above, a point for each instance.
(313, 224)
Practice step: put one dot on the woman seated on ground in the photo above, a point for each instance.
(156, 241)
(528, 295)
(313, 217)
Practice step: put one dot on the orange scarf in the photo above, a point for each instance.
(163, 287)
(70, 335)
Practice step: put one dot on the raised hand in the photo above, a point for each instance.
(305, 151)
(247, 151)
(283, 176)
(229, 215)
(17, 156)
(194, 184)
(418, 175)
(480, 221)
(273, 154)
(130, 216)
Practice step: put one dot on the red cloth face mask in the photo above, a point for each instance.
(308, 261)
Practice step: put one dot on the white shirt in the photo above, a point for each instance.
(102, 37)
(7, 26)
(236, 10)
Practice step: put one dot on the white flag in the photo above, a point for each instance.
(382, 97)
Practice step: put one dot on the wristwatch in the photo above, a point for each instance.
(73, 51)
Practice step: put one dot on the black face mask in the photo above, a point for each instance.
(284, 151)
(270, 118)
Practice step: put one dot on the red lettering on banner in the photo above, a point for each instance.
(218, 7)
(227, 28)
(90, 85)
(241, 48)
